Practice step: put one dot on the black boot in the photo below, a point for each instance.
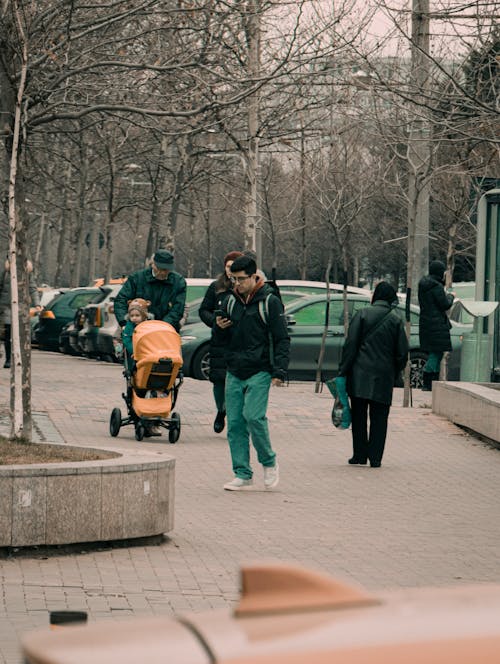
(219, 422)
(427, 381)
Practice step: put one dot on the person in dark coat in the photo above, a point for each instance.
(5, 305)
(375, 351)
(434, 325)
(214, 299)
(164, 288)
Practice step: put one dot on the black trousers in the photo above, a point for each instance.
(368, 445)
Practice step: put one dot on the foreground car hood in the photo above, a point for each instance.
(287, 614)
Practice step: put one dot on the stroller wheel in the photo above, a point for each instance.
(139, 431)
(115, 422)
(175, 432)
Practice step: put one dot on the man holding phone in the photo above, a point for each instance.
(257, 348)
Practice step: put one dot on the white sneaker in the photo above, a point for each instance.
(237, 484)
(271, 476)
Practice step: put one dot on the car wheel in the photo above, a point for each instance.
(417, 362)
(115, 422)
(175, 432)
(201, 363)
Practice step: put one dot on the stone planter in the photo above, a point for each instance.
(472, 405)
(88, 501)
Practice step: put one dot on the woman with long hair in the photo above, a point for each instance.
(214, 299)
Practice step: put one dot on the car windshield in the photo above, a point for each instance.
(76, 300)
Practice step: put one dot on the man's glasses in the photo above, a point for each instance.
(240, 280)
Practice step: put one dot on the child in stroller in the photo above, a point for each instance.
(153, 375)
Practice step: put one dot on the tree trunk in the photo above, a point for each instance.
(303, 217)
(252, 157)
(169, 230)
(192, 236)
(208, 231)
(321, 356)
(39, 245)
(154, 228)
(21, 354)
(93, 239)
(80, 214)
(61, 248)
(65, 224)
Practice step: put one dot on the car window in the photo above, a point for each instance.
(359, 304)
(75, 300)
(50, 304)
(286, 298)
(195, 292)
(307, 290)
(401, 311)
(314, 313)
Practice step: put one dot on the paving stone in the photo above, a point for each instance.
(428, 516)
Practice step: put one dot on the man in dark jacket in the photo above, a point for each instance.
(164, 288)
(257, 348)
(434, 326)
(375, 351)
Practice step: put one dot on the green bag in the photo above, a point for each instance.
(341, 411)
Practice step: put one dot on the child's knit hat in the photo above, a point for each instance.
(138, 304)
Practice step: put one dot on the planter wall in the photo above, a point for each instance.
(88, 501)
(472, 405)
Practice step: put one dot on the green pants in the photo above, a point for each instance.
(433, 362)
(246, 406)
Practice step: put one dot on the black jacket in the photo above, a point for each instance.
(167, 297)
(215, 300)
(247, 341)
(434, 325)
(372, 365)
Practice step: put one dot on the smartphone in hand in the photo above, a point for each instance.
(220, 312)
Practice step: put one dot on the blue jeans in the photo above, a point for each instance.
(246, 406)
(433, 363)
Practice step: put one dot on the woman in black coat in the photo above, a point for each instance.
(214, 299)
(434, 324)
(375, 351)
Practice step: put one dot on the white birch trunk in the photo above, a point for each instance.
(17, 428)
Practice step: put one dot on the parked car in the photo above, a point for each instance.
(290, 615)
(61, 310)
(306, 319)
(316, 287)
(46, 295)
(99, 326)
(68, 339)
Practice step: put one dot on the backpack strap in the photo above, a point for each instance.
(264, 309)
(230, 302)
(264, 315)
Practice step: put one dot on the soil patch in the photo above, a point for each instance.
(14, 453)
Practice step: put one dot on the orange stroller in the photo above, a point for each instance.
(152, 383)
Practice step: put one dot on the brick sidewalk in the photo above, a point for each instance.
(427, 517)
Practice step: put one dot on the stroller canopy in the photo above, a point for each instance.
(153, 340)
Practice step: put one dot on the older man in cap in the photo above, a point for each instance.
(164, 288)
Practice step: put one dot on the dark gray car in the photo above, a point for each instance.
(306, 321)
